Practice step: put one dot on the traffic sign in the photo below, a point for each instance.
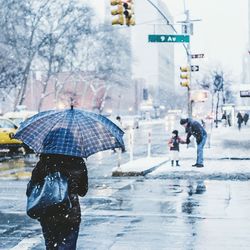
(197, 56)
(195, 67)
(245, 93)
(218, 82)
(168, 38)
(187, 29)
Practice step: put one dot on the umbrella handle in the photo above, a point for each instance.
(71, 103)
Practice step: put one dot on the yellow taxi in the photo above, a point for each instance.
(7, 131)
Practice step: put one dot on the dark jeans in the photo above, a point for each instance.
(200, 147)
(59, 236)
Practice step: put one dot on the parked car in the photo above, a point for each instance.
(130, 122)
(19, 116)
(125, 121)
(7, 131)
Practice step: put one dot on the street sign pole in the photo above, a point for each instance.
(189, 102)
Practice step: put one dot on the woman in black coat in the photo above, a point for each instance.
(61, 230)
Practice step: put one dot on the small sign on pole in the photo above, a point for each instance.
(245, 93)
(194, 56)
(195, 67)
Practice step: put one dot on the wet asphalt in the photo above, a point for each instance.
(143, 214)
(138, 212)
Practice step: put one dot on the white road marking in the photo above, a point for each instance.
(28, 243)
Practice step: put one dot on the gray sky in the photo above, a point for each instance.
(222, 33)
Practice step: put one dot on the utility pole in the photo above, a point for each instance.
(188, 30)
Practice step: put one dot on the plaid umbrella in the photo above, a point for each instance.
(70, 132)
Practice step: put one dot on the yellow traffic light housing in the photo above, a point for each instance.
(129, 12)
(123, 11)
(184, 69)
(119, 20)
(185, 84)
(117, 12)
(130, 21)
(116, 2)
(185, 75)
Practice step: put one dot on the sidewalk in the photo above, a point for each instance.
(226, 158)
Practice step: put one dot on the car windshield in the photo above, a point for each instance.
(6, 124)
(17, 121)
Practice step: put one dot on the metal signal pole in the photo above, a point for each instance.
(188, 30)
(188, 24)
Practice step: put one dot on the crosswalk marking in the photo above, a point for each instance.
(28, 243)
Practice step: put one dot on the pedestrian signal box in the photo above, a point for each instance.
(184, 76)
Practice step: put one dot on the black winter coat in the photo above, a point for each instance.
(174, 143)
(196, 129)
(75, 169)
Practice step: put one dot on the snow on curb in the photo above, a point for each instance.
(214, 169)
(141, 166)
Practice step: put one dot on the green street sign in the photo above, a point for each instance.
(168, 38)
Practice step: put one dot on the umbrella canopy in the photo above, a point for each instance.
(70, 132)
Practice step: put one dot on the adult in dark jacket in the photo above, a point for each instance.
(246, 118)
(60, 231)
(239, 120)
(194, 128)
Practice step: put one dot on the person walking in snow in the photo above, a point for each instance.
(61, 230)
(245, 118)
(174, 146)
(194, 128)
(239, 120)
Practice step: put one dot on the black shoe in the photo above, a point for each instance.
(195, 165)
(177, 164)
(199, 165)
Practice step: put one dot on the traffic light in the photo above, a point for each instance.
(129, 12)
(123, 10)
(117, 12)
(185, 76)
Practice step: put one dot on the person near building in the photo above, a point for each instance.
(239, 120)
(246, 118)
